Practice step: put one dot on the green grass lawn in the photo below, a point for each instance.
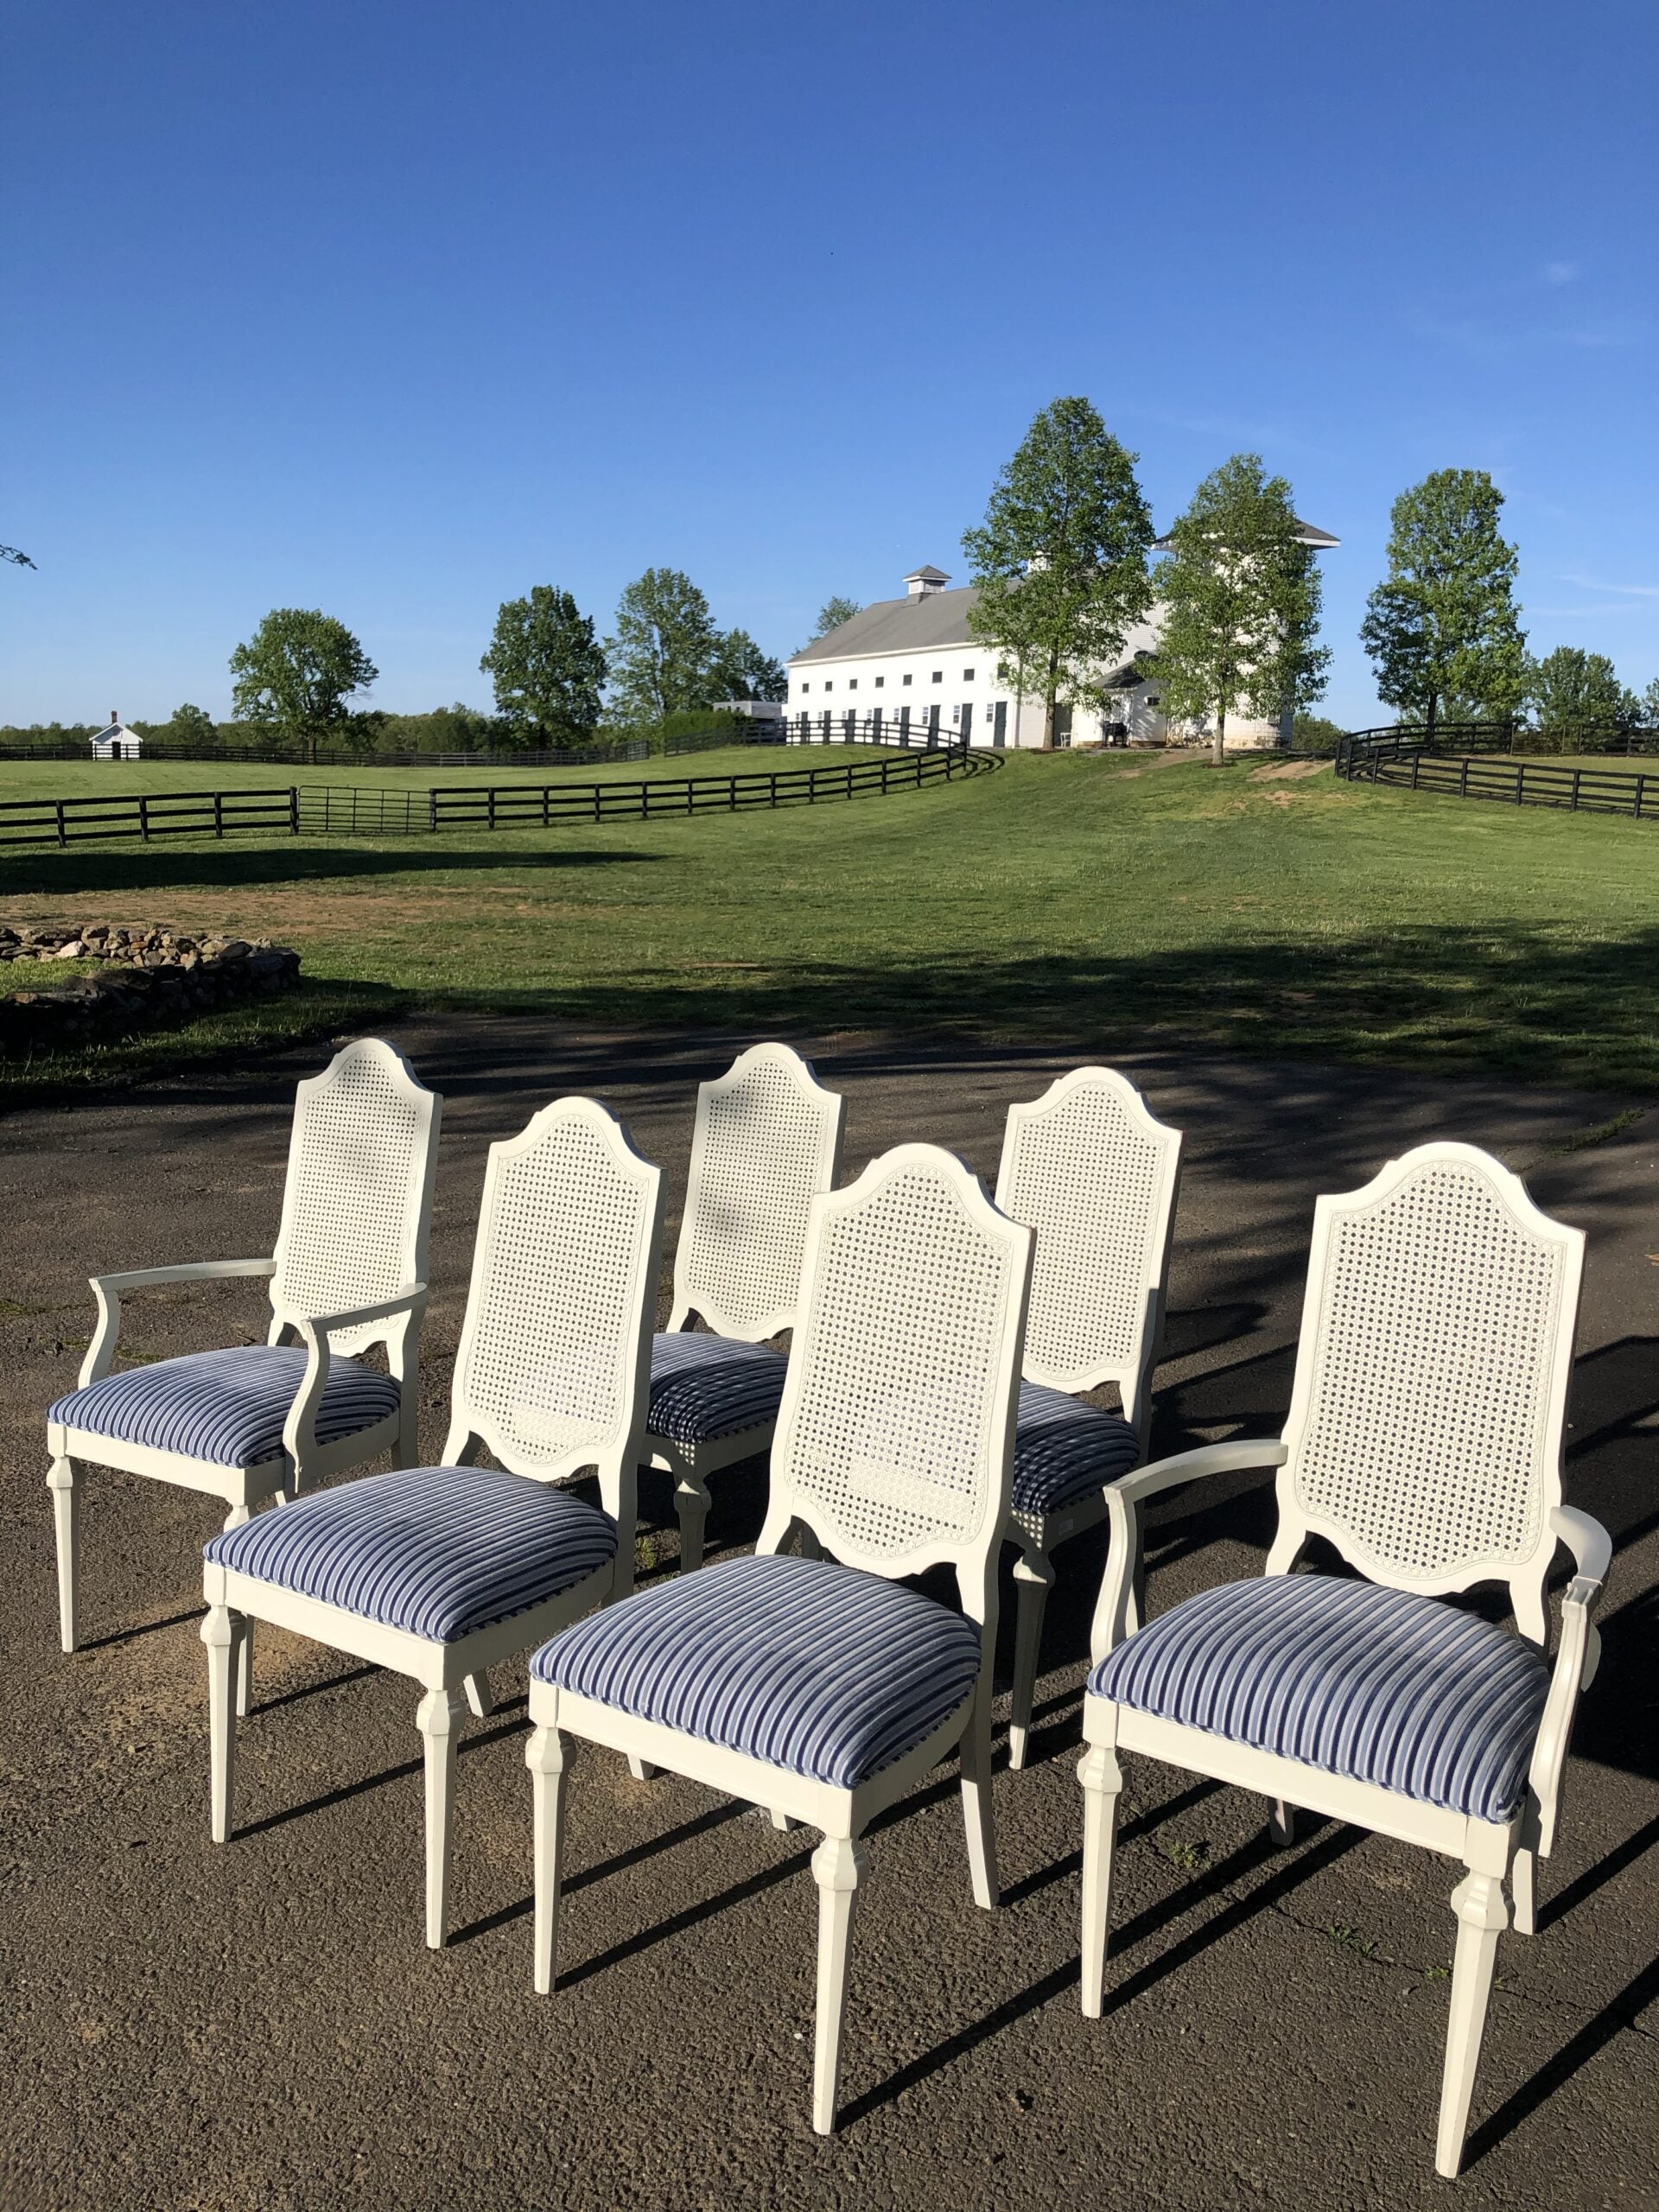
(101, 778)
(1098, 901)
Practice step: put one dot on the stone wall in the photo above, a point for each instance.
(143, 978)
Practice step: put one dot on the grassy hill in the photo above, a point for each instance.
(1102, 901)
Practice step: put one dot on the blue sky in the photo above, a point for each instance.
(399, 309)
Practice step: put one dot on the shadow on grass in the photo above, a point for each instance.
(85, 874)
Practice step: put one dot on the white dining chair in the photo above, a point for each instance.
(767, 1143)
(820, 1687)
(1424, 1445)
(1095, 1174)
(256, 1421)
(440, 1572)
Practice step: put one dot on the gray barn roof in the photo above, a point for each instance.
(898, 625)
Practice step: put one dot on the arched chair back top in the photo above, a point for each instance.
(767, 1142)
(1426, 1421)
(357, 1209)
(1095, 1174)
(895, 1438)
(553, 1371)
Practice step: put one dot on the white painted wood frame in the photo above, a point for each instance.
(1091, 1168)
(878, 1465)
(767, 1141)
(364, 1152)
(1375, 1458)
(551, 1376)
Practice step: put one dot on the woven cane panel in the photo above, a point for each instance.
(557, 1305)
(354, 1194)
(763, 1160)
(1427, 1429)
(893, 1428)
(1086, 1175)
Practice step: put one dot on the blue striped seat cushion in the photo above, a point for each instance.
(1063, 1449)
(703, 1387)
(1376, 1684)
(227, 1407)
(822, 1669)
(438, 1551)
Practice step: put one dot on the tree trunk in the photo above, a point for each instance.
(1433, 700)
(1050, 690)
(1220, 753)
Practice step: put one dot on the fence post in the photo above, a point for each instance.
(293, 810)
(1577, 772)
(63, 827)
(432, 810)
(143, 819)
(1463, 776)
(219, 814)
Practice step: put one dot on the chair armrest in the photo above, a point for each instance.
(1577, 1656)
(109, 1290)
(299, 1430)
(1124, 1499)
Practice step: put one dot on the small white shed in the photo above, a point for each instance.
(118, 742)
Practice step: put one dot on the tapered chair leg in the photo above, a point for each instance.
(1482, 1917)
(481, 1696)
(1033, 1577)
(65, 1514)
(976, 1756)
(691, 1506)
(1102, 1780)
(838, 1865)
(1281, 1823)
(222, 1631)
(544, 1757)
(234, 1519)
(438, 1720)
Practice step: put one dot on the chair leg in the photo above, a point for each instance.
(1482, 1916)
(480, 1697)
(1524, 1891)
(436, 1718)
(66, 1513)
(235, 1519)
(1281, 1823)
(838, 1865)
(975, 1754)
(784, 1823)
(692, 1505)
(1033, 1577)
(544, 1757)
(1103, 1780)
(223, 1631)
(641, 1770)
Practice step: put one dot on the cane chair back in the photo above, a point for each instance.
(767, 1140)
(357, 1210)
(895, 1436)
(1095, 1174)
(553, 1371)
(1426, 1422)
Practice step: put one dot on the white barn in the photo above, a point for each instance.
(913, 667)
(118, 742)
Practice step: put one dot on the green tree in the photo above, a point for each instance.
(1441, 629)
(742, 671)
(1647, 705)
(297, 673)
(1060, 559)
(190, 725)
(548, 665)
(1241, 604)
(1572, 691)
(834, 612)
(663, 655)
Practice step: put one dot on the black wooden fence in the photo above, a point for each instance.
(341, 809)
(1405, 758)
